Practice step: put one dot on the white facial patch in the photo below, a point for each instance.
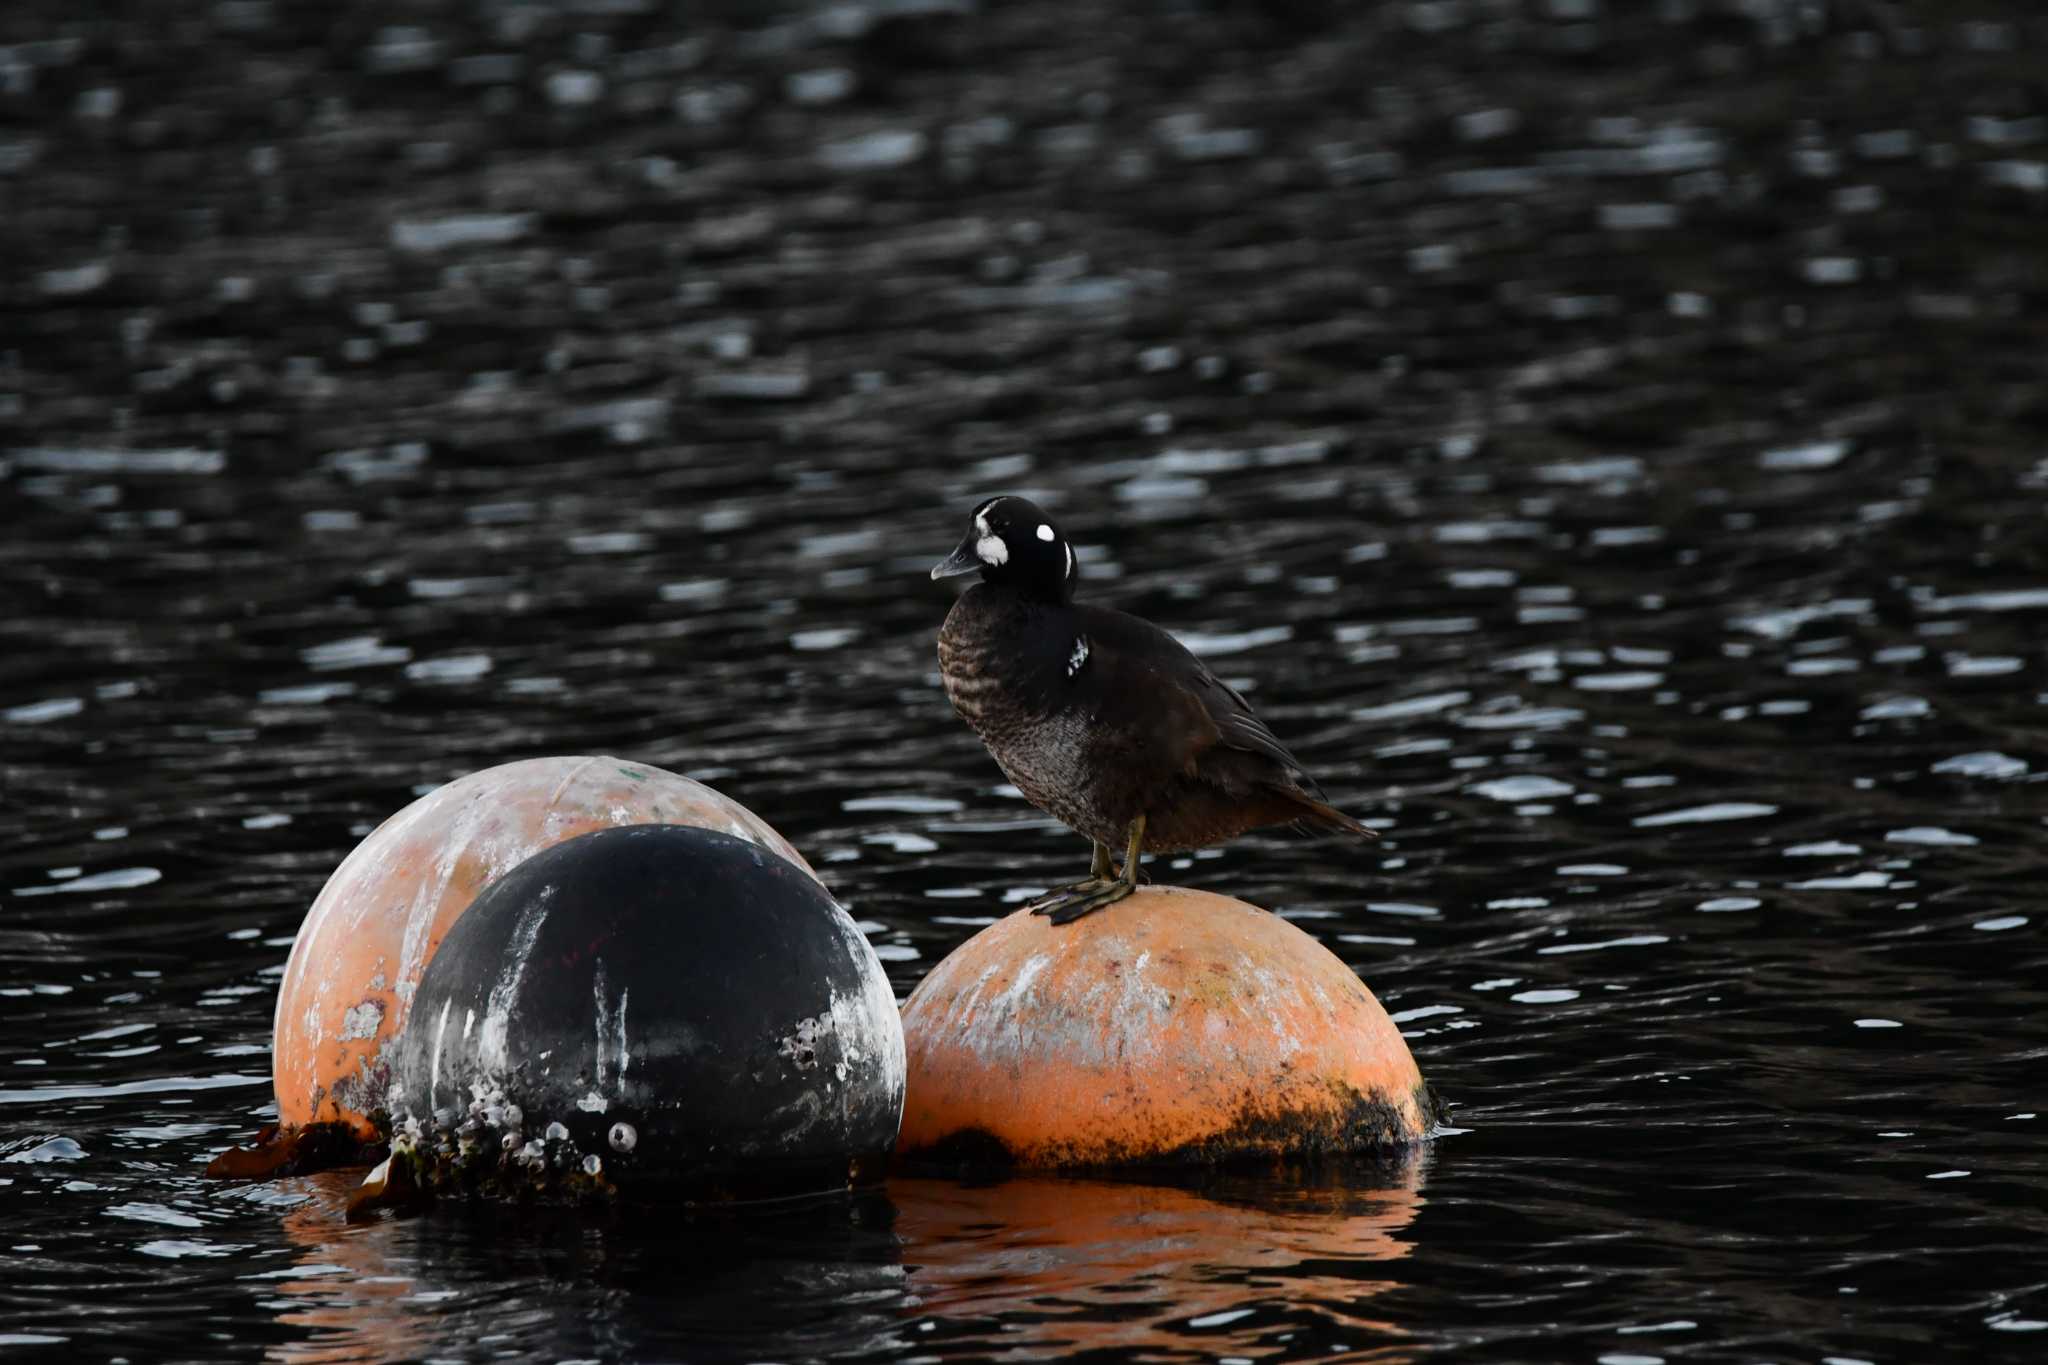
(989, 546)
(1045, 532)
(1079, 656)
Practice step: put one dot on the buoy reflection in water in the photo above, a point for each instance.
(1069, 1264)
(1040, 1264)
(781, 1279)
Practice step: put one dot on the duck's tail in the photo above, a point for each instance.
(1322, 815)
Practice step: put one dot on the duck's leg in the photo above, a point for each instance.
(1098, 878)
(1073, 907)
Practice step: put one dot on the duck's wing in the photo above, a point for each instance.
(1153, 682)
(1240, 728)
(1173, 715)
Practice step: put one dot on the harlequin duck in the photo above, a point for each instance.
(1102, 720)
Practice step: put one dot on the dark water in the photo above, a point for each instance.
(1606, 440)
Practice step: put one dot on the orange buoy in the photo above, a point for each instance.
(358, 958)
(1175, 1026)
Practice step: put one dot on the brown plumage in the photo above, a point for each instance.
(1103, 720)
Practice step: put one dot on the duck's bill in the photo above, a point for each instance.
(962, 560)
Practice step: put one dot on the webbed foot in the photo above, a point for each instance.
(1069, 903)
(1059, 896)
(1075, 907)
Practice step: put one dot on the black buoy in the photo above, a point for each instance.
(654, 1011)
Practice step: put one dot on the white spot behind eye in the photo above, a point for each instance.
(992, 550)
(1045, 532)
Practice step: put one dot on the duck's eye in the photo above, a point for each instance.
(1045, 532)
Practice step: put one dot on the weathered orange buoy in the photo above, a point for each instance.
(1175, 1026)
(350, 980)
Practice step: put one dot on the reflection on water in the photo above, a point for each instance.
(1030, 1266)
(346, 1293)
(1602, 439)
(1065, 1266)
(792, 1281)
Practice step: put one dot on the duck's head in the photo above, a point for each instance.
(1016, 545)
